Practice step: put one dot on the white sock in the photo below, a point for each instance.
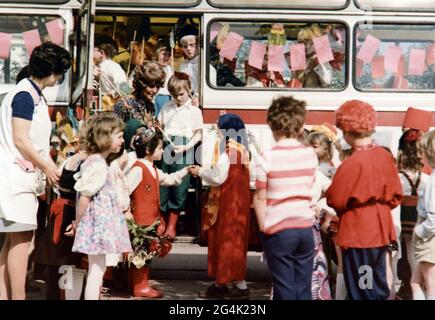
(77, 285)
(241, 284)
(431, 298)
(97, 267)
(340, 288)
(418, 294)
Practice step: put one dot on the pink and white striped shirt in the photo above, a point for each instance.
(287, 172)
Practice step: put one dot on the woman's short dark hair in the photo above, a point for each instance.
(48, 59)
(144, 147)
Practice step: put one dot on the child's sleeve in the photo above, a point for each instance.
(172, 179)
(426, 229)
(261, 170)
(217, 175)
(91, 179)
(134, 178)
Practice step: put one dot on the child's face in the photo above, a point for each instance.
(190, 47)
(158, 152)
(117, 141)
(98, 56)
(164, 57)
(320, 150)
(181, 97)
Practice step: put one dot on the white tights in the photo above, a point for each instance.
(97, 268)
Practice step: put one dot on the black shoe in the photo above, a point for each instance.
(238, 294)
(214, 292)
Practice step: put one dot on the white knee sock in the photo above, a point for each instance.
(340, 288)
(418, 294)
(76, 291)
(431, 298)
(97, 267)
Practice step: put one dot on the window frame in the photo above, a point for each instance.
(284, 7)
(280, 89)
(361, 6)
(354, 57)
(147, 3)
(43, 2)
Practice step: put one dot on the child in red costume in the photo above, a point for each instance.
(363, 191)
(145, 180)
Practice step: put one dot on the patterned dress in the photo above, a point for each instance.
(103, 228)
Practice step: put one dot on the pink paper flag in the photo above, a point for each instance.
(368, 49)
(400, 83)
(256, 55)
(298, 60)
(378, 70)
(417, 59)
(359, 68)
(31, 40)
(275, 61)
(430, 57)
(231, 45)
(392, 58)
(214, 30)
(55, 30)
(401, 70)
(5, 47)
(323, 49)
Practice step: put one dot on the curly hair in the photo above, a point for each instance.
(97, 132)
(357, 117)
(149, 74)
(286, 116)
(428, 145)
(410, 155)
(48, 59)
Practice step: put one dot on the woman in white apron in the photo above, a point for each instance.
(25, 129)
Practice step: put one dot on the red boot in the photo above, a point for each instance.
(140, 286)
(171, 228)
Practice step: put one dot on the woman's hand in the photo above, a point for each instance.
(50, 170)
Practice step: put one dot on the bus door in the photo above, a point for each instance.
(83, 44)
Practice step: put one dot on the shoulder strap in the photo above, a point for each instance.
(411, 183)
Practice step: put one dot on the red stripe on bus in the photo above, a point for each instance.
(393, 118)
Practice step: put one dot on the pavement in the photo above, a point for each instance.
(182, 275)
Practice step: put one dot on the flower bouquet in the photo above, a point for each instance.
(146, 243)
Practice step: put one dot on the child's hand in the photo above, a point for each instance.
(194, 170)
(128, 215)
(70, 231)
(179, 149)
(317, 211)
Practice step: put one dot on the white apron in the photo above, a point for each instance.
(19, 189)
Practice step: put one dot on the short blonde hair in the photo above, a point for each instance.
(176, 84)
(98, 130)
(428, 144)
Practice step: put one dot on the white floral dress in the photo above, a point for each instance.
(102, 229)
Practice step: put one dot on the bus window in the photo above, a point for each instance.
(20, 34)
(295, 55)
(397, 57)
(403, 5)
(149, 3)
(288, 4)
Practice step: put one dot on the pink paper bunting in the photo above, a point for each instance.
(31, 40)
(323, 49)
(417, 59)
(214, 30)
(275, 61)
(298, 60)
(5, 47)
(256, 55)
(55, 30)
(378, 70)
(368, 49)
(430, 57)
(231, 45)
(392, 58)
